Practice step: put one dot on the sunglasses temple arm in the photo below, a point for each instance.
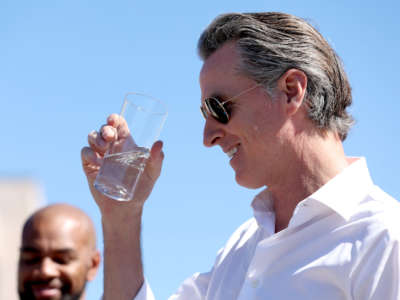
(243, 92)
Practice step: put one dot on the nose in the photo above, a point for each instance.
(212, 133)
(48, 268)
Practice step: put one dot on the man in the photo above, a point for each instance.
(58, 254)
(274, 98)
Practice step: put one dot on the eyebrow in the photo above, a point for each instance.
(57, 251)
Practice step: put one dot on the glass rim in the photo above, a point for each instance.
(162, 112)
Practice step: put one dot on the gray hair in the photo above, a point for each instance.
(271, 43)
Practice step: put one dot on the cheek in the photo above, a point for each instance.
(22, 277)
(76, 276)
(24, 273)
(262, 119)
(258, 130)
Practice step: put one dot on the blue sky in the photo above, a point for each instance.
(66, 65)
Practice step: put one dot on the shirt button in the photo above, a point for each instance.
(254, 283)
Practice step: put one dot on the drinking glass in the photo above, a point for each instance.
(124, 161)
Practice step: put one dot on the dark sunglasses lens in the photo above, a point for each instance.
(217, 109)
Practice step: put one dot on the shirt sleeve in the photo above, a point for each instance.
(145, 292)
(193, 288)
(196, 287)
(379, 278)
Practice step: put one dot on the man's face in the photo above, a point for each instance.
(254, 135)
(54, 261)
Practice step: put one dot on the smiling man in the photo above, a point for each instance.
(275, 99)
(58, 254)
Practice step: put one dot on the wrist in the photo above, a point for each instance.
(123, 217)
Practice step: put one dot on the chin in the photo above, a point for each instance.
(248, 182)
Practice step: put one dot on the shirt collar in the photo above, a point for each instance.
(263, 210)
(341, 194)
(345, 191)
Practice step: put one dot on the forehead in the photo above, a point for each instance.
(220, 72)
(225, 55)
(46, 234)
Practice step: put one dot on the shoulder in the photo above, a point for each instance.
(243, 233)
(383, 210)
(379, 219)
(239, 241)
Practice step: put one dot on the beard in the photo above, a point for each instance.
(27, 294)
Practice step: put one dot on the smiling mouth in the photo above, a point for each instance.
(231, 152)
(46, 292)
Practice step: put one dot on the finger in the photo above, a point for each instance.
(89, 156)
(114, 120)
(156, 150)
(91, 162)
(154, 164)
(109, 133)
(151, 173)
(97, 143)
(120, 124)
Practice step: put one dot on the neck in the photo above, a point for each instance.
(314, 161)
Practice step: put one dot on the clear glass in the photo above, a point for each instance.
(126, 158)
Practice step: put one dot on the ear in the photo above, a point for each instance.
(293, 84)
(95, 263)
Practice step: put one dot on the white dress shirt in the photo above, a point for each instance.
(342, 242)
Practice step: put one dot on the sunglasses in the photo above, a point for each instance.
(218, 109)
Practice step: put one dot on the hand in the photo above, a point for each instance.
(116, 130)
